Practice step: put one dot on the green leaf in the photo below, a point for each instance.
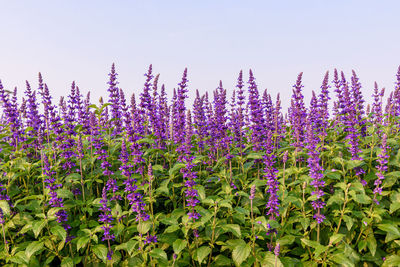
(233, 228)
(254, 156)
(144, 227)
(65, 194)
(314, 244)
(221, 260)
(394, 207)
(59, 231)
(389, 228)
(351, 164)
(362, 199)
(20, 258)
(393, 260)
(158, 253)
(179, 245)
(82, 242)
(5, 207)
(67, 262)
(130, 246)
(100, 251)
(202, 252)
(158, 167)
(176, 168)
(286, 240)
(241, 252)
(305, 222)
(37, 227)
(271, 261)
(349, 221)
(310, 243)
(336, 238)
(371, 243)
(32, 248)
(172, 228)
(342, 259)
(201, 192)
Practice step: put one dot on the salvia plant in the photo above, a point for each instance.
(143, 180)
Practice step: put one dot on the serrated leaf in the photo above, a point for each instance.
(394, 207)
(389, 228)
(310, 243)
(82, 242)
(59, 231)
(158, 253)
(351, 164)
(176, 168)
(362, 199)
(349, 221)
(172, 228)
(241, 252)
(335, 238)
(393, 260)
(233, 228)
(286, 240)
(100, 251)
(65, 194)
(20, 258)
(202, 253)
(144, 227)
(371, 243)
(179, 245)
(37, 227)
(67, 262)
(271, 261)
(5, 207)
(130, 245)
(305, 222)
(32, 248)
(342, 259)
(221, 260)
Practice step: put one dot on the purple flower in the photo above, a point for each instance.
(114, 100)
(11, 113)
(315, 173)
(151, 239)
(382, 167)
(106, 218)
(277, 249)
(2, 221)
(297, 113)
(272, 205)
(55, 201)
(376, 117)
(252, 192)
(256, 114)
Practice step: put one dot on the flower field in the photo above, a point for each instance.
(147, 180)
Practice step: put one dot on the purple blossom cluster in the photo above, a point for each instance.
(382, 168)
(315, 173)
(135, 198)
(272, 206)
(106, 218)
(55, 201)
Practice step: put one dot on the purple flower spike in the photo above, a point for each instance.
(382, 167)
(252, 192)
(315, 173)
(272, 205)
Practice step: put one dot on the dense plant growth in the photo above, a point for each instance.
(224, 183)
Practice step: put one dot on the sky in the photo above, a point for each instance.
(79, 40)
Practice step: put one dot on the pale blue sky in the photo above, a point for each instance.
(79, 40)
